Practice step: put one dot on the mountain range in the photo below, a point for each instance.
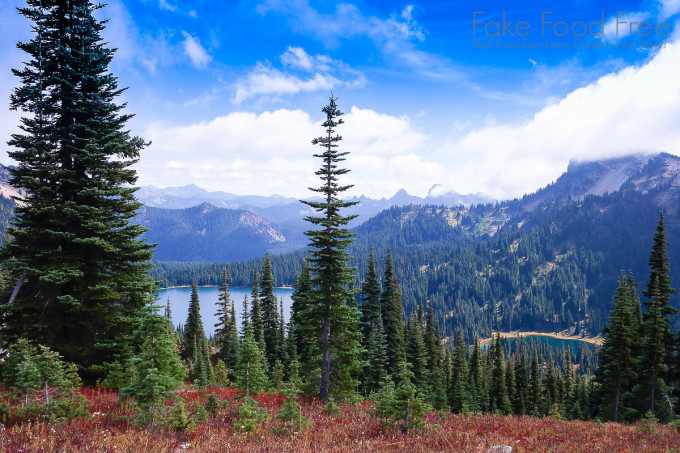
(548, 261)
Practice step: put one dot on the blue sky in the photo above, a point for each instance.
(230, 92)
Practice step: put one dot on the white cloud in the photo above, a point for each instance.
(394, 36)
(634, 110)
(270, 153)
(164, 4)
(624, 26)
(320, 74)
(669, 8)
(195, 51)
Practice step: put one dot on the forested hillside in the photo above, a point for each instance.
(503, 266)
(208, 233)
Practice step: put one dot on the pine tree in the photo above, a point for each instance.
(477, 377)
(250, 374)
(256, 311)
(459, 375)
(521, 396)
(270, 314)
(498, 393)
(416, 354)
(331, 311)
(304, 334)
(437, 385)
(376, 359)
(616, 373)
(370, 300)
(408, 406)
(157, 369)
(193, 328)
(80, 265)
(535, 396)
(245, 315)
(232, 343)
(224, 329)
(393, 318)
(654, 360)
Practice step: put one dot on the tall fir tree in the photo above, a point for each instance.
(616, 373)
(245, 316)
(653, 388)
(498, 393)
(416, 353)
(477, 386)
(226, 320)
(230, 355)
(459, 393)
(193, 328)
(535, 388)
(375, 374)
(256, 311)
(79, 263)
(370, 300)
(270, 314)
(332, 276)
(250, 373)
(302, 302)
(393, 318)
(521, 396)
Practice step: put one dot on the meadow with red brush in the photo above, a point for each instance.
(110, 428)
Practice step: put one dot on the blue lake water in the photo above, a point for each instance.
(208, 296)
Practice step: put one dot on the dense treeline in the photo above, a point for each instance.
(548, 270)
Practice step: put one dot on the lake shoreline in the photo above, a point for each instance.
(557, 335)
(216, 286)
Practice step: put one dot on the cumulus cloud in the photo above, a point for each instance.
(634, 110)
(315, 72)
(195, 51)
(270, 153)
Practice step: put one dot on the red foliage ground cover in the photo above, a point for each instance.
(356, 429)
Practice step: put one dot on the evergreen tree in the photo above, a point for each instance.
(660, 270)
(616, 373)
(331, 313)
(80, 265)
(370, 300)
(225, 318)
(250, 374)
(477, 377)
(232, 343)
(393, 318)
(408, 406)
(375, 373)
(535, 396)
(193, 328)
(304, 334)
(196, 348)
(521, 397)
(498, 393)
(256, 311)
(245, 316)
(653, 388)
(270, 314)
(157, 369)
(459, 375)
(416, 354)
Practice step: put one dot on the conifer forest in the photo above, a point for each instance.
(546, 323)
